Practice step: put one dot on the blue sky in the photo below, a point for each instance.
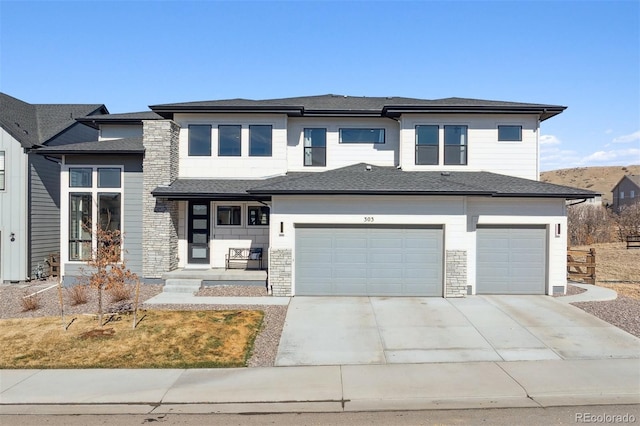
(128, 55)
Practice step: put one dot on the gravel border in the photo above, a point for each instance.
(623, 312)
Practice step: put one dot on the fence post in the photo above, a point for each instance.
(591, 268)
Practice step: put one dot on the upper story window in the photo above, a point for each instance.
(199, 140)
(257, 215)
(315, 147)
(632, 194)
(622, 195)
(427, 144)
(260, 141)
(229, 141)
(361, 135)
(1, 170)
(80, 177)
(510, 133)
(455, 145)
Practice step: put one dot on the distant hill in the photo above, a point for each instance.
(598, 179)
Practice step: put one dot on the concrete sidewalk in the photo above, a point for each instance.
(322, 388)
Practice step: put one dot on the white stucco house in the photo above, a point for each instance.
(344, 195)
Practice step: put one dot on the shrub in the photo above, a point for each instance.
(589, 224)
(628, 221)
(30, 303)
(78, 294)
(119, 292)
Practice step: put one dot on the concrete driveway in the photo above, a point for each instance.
(390, 330)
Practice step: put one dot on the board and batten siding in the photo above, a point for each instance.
(485, 152)
(13, 211)
(132, 226)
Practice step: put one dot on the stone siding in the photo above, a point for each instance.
(280, 272)
(456, 273)
(159, 216)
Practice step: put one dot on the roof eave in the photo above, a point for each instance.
(545, 112)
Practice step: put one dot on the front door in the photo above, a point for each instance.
(199, 223)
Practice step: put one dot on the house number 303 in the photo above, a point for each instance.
(368, 219)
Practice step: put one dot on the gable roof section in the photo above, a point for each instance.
(35, 124)
(124, 118)
(341, 105)
(635, 179)
(115, 146)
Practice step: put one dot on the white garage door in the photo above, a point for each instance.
(511, 260)
(368, 261)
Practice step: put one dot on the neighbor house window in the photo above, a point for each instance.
(315, 147)
(455, 145)
(258, 215)
(260, 141)
(622, 195)
(1, 170)
(427, 142)
(93, 208)
(229, 215)
(632, 194)
(199, 140)
(229, 141)
(509, 133)
(361, 135)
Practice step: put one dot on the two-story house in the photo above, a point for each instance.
(626, 192)
(345, 195)
(30, 184)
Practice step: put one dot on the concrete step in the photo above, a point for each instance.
(181, 285)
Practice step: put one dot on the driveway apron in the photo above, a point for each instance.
(390, 330)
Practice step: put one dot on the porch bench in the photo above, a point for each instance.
(633, 241)
(243, 257)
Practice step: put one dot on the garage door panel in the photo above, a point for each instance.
(370, 261)
(511, 260)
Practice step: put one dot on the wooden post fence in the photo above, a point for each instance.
(578, 269)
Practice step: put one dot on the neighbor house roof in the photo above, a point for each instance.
(373, 180)
(115, 146)
(342, 105)
(124, 118)
(633, 178)
(35, 124)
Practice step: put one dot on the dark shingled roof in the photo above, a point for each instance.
(115, 146)
(327, 105)
(124, 118)
(356, 179)
(35, 124)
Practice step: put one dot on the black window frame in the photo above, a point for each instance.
(231, 208)
(237, 142)
(316, 153)
(346, 130)
(206, 152)
(501, 138)
(256, 146)
(433, 146)
(256, 220)
(456, 150)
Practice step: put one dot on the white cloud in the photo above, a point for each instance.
(549, 140)
(608, 131)
(612, 157)
(635, 136)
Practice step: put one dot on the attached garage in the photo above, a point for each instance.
(368, 261)
(511, 260)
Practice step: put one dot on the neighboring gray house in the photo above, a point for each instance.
(342, 195)
(30, 184)
(626, 192)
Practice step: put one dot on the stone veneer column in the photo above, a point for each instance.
(159, 216)
(280, 272)
(456, 273)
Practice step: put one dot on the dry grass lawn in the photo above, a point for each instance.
(617, 268)
(163, 339)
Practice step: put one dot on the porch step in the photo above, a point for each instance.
(181, 285)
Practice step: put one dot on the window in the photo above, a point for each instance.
(229, 215)
(199, 140)
(622, 195)
(80, 177)
(455, 145)
(93, 209)
(315, 147)
(258, 215)
(632, 194)
(229, 141)
(427, 141)
(361, 135)
(260, 141)
(509, 133)
(1, 170)
(80, 233)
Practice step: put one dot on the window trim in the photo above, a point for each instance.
(382, 129)
(239, 127)
(519, 126)
(189, 152)
(312, 148)
(81, 168)
(436, 145)
(270, 154)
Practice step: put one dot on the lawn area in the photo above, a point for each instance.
(162, 339)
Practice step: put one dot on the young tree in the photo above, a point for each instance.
(628, 221)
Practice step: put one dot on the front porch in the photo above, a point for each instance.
(219, 276)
